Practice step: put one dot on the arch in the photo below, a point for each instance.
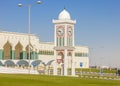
(9, 63)
(69, 59)
(27, 51)
(18, 50)
(23, 63)
(61, 54)
(36, 62)
(7, 50)
(60, 57)
(69, 54)
(1, 64)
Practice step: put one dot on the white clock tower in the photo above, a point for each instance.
(64, 43)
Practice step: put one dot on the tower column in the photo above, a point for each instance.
(55, 64)
(65, 36)
(55, 39)
(73, 64)
(65, 63)
(63, 39)
(73, 38)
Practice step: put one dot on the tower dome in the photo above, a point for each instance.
(64, 15)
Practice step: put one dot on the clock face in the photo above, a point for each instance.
(69, 31)
(60, 31)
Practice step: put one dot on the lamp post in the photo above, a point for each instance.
(29, 6)
(102, 58)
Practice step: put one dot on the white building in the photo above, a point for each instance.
(62, 53)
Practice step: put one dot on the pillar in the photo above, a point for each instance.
(12, 53)
(55, 64)
(33, 55)
(65, 72)
(73, 64)
(23, 54)
(36, 55)
(55, 69)
(1, 54)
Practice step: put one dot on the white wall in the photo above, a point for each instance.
(14, 38)
(84, 60)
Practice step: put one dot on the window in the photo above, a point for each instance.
(79, 54)
(46, 52)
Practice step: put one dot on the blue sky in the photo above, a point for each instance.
(98, 24)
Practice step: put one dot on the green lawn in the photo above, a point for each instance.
(41, 80)
(95, 70)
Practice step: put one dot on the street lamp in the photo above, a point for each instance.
(29, 6)
(101, 69)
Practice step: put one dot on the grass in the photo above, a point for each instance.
(42, 80)
(95, 70)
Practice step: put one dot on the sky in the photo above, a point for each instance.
(98, 24)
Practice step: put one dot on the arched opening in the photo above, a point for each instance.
(7, 50)
(23, 63)
(27, 51)
(60, 58)
(18, 51)
(9, 63)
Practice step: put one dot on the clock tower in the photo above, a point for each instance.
(64, 43)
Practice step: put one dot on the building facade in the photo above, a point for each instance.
(62, 53)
